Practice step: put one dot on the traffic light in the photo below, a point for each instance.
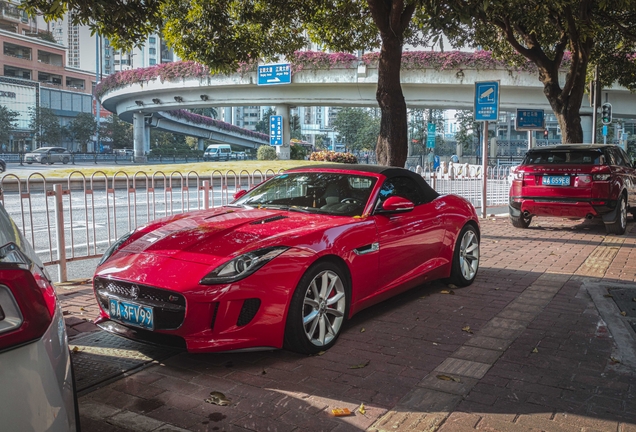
(606, 113)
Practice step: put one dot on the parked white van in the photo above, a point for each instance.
(217, 152)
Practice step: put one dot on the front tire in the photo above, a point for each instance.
(318, 309)
(465, 257)
(619, 226)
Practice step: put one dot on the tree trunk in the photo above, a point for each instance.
(392, 146)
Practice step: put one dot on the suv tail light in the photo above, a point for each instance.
(27, 299)
(601, 177)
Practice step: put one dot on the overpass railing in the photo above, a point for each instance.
(78, 217)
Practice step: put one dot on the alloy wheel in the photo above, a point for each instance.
(469, 255)
(324, 308)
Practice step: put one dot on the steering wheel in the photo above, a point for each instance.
(350, 201)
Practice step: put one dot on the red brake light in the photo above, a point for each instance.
(27, 299)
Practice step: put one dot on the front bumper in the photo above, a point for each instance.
(248, 314)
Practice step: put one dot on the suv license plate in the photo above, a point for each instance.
(131, 313)
(556, 180)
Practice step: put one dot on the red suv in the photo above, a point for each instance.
(574, 181)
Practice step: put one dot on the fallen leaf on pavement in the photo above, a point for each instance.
(435, 343)
(535, 350)
(608, 295)
(623, 313)
(448, 378)
(361, 365)
(321, 353)
(362, 409)
(218, 398)
(75, 349)
(634, 299)
(264, 372)
(362, 330)
(82, 309)
(614, 360)
(451, 292)
(451, 286)
(467, 329)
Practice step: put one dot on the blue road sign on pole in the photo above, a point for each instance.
(604, 130)
(430, 137)
(487, 101)
(530, 119)
(274, 74)
(276, 130)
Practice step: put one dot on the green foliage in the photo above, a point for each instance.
(357, 128)
(262, 125)
(330, 156)
(7, 123)
(81, 129)
(466, 129)
(266, 152)
(45, 126)
(117, 131)
(321, 142)
(297, 151)
(547, 33)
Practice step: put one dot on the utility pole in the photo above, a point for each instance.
(595, 89)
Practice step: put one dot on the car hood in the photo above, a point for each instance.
(215, 236)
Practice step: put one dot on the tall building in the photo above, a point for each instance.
(34, 74)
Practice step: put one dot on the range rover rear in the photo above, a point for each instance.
(574, 181)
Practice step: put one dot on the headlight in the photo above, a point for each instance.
(242, 266)
(113, 248)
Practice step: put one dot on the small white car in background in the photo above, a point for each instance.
(37, 390)
(48, 155)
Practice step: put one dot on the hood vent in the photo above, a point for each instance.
(268, 220)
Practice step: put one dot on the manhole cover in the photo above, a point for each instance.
(100, 356)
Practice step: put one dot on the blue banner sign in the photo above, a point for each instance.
(487, 101)
(276, 130)
(274, 74)
(529, 120)
(430, 137)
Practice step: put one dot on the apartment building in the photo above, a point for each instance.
(33, 73)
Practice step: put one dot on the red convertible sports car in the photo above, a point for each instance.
(288, 262)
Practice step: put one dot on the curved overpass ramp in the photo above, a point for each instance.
(348, 82)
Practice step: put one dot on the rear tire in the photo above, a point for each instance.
(619, 226)
(520, 221)
(44, 161)
(318, 309)
(65, 160)
(465, 257)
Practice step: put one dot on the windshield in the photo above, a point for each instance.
(313, 192)
(579, 157)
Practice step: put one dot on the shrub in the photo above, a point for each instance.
(331, 156)
(266, 152)
(297, 152)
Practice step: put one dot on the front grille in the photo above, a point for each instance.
(248, 311)
(168, 306)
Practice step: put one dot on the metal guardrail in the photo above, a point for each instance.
(79, 217)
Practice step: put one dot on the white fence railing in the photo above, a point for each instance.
(77, 218)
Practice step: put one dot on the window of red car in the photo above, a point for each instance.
(404, 187)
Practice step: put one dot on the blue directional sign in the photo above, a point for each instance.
(274, 74)
(430, 138)
(530, 120)
(487, 101)
(276, 130)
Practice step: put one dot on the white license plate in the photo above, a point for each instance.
(131, 313)
(556, 180)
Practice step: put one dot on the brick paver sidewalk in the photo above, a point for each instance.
(524, 348)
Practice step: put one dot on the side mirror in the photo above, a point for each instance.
(396, 204)
(239, 194)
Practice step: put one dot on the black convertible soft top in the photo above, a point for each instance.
(387, 171)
